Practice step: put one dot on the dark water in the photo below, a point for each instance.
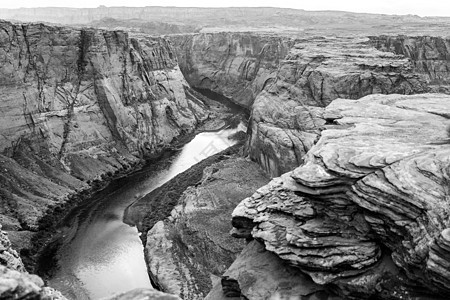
(99, 254)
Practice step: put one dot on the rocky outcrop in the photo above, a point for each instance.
(15, 282)
(79, 106)
(144, 294)
(287, 115)
(260, 274)
(8, 256)
(429, 56)
(187, 252)
(20, 285)
(367, 212)
(236, 65)
(143, 26)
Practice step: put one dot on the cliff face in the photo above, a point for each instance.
(187, 252)
(367, 212)
(288, 82)
(15, 282)
(287, 115)
(79, 105)
(236, 65)
(429, 57)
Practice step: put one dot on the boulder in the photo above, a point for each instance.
(367, 211)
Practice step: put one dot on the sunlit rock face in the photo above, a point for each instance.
(287, 115)
(236, 65)
(368, 210)
(79, 106)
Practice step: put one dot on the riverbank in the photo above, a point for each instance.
(185, 223)
(32, 245)
(157, 205)
(59, 227)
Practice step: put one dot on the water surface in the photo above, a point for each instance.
(100, 255)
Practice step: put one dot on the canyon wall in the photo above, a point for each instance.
(79, 106)
(236, 65)
(15, 282)
(287, 82)
(367, 213)
(287, 115)
(429, 56)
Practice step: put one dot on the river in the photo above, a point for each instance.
(99, 255)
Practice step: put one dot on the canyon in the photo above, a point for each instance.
(338, 190)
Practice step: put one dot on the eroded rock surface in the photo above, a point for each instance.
(15, 282)
(287, 115)
(144, 294)
(8, 256)
(260, 274)
(368, 210)
(79, 106)
(428, 55)
(236, 65)
(187, 252)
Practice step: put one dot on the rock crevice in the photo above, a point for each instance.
(369, 203)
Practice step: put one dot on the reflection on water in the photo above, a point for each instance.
(100, 255)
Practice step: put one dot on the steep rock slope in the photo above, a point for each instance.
(15, 282)
(368, 210)
(429, 56)
(261, 274)
(236, 65)
(287, 82)
(188, 251)
(78, 106)
(287, 115)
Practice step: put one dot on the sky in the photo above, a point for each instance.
(415, 7)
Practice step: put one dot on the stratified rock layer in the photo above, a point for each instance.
(236, 65)
(187, 252)
(287, 115)
(368, 210)
(78, 106)
(143, 294)
(429, 56)
(259, 274)
(15, 282)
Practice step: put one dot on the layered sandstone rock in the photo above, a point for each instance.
(367, 211)
(187, 252)
(144, 294)
(236, 65)
(429, 56)
(15, 282)
(287, 115)
(260, 274)
(8, 256)
(79, 106)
